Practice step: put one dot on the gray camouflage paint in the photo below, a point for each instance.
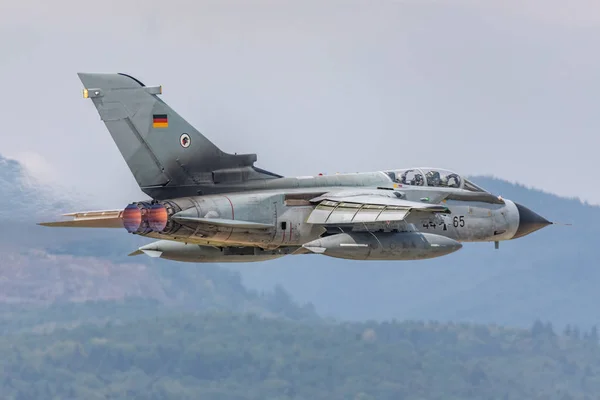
(261, 215)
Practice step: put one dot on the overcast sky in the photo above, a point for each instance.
(503, 87)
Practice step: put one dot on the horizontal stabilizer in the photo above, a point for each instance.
(227, 223)
(90, 219)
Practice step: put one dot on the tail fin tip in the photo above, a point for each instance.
(109, 80)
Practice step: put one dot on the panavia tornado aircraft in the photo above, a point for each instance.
(211, 206)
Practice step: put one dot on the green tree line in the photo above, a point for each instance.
(236, 356)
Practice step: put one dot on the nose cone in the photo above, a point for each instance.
(529, 221)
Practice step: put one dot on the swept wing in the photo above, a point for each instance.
(364, 208)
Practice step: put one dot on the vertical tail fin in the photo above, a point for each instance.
(160, 147)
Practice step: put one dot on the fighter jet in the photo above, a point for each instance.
(210, 206)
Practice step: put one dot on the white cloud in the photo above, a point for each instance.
(37, 165)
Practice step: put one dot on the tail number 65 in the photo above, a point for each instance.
(458, 221)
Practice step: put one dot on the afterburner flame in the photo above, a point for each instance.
(132, 218)
(157, 217)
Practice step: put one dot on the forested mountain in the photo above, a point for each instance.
(224, 356)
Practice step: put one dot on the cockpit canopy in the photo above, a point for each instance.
(432, 177)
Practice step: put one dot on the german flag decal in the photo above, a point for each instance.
(160, 121)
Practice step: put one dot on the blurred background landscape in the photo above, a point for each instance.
(81, 319)
(505, 92)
